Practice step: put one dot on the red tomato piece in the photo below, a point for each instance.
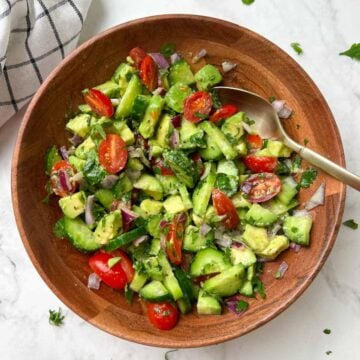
(259, 164)
(115, 277)
(174, 239)
(138, 55)
(163, 315)
(254, 141)
(99, 103)
(149, 73)
(60, 178)
(159, 167)
(223, 113)
(262, 187)
(224, 206)
(113, 154)
(197, 105)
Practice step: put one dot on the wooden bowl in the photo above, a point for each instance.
(262, 68)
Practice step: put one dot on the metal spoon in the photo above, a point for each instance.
(268, 125)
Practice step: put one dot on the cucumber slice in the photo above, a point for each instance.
(138, 281)
(209, 261)
(185, 284)
(155, 291)
(125, 238)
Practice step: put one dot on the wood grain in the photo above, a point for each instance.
(262, 68)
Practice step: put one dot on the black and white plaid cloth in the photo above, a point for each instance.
(35, 35)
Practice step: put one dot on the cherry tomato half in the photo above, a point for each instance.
(174, 239)
(264, 186)
(259, 164)
(126, 264)
(113, 154)
(99, 103)
(163, 315)
(138, 55)
(115, 277)
(223, 113)
(159, 167)
(254, 141)
(224, 206)
(60, 178)
(149, 73)
(198, 103)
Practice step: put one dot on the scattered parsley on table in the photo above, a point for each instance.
(327, 331)
(353, 52)
(248, 2)
(297, 47)
(56, 318)
(351, 224)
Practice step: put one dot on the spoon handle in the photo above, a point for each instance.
(325, 164)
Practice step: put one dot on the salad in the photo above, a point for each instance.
(171, 193)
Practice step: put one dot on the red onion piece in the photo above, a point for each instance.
(163, 242)
(231, 304)
(228, 66)
(163, 224)
(93, 281)
(160, 60)
(176, 121)
(89, 210)
(64, 180)
(175, 139)
(317, 199)
(295, 247)
(186, 260)
(246, 187)
(222, 239)
(282, 110)
(64, 153)
(282, 269)
(140, 240)
(237, 245)
(109, 181)
(115, 102)
(76, 140)
(128, 216)
(181, 217)
(175, 57)
(202, 53)
(204, 229)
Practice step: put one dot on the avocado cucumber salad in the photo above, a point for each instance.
(171, 193)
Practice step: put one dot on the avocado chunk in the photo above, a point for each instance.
(240, 202)
(110, 88)
(260, 216)
(153, 225)
(150, 185)
(232, 127)
(247, 289)
(106, 197)
(219, 139)
(176, 95)
(173, 204)
(120, 128)
(207, 77)
(73, 205)
(227, 167)
(227, 283)
(77, 163)
(255, 237)
(164, 131)
(84, 148)
(183, 168)
(185, 197)
(80, 125)
(123, 186)
(288, 190)
(277, 244)
(78, 233)
(122, 76)
(275, 148)
(208, 305)
(138, 281)
(194, 241)
(242, 255)
(151, 117)
(297, 229)
(211, 151)
(209, 261)
(151, 207)
(169, 183)
(155, 247)
(191, 136)
(153, 268)
(180, 72)
(108, 227)
(202, 192)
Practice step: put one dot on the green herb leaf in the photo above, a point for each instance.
(353, 52)
(59, 229)
(327, 331)
(98, 129)
(201, 116)
(167, 49)
(297, 47)
(351, 224)
(227, 184)
(242, 306)
(249, 121)
(49, 192)
(168, 352)
(129, 294)
(247, 2)
(272, 99)
(56, 318)
(93, 172)
(328, 352)
(259, 287)
(296, 165)
(215, 99)
(282, 168)
(113, 261)
(306, 141)
(307, 178)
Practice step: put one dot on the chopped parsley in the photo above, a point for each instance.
(242, 306)
(167, 49)
(129, 294)
(48, 189)
(353, 52)
(328, 352)
(56, 318)
(307, 178)
(351, 224)
(259, 287)
(297, 47)
(272, 99)
(249, 121)
(59, 229)
(306, 141)
(327, 331)
(97, 129)
(168, 352)
(215, 99)
(247, 2)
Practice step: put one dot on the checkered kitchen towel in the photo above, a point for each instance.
(35, 35)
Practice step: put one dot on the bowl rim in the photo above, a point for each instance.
(77, 310)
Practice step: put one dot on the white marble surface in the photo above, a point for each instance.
(324, 28)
